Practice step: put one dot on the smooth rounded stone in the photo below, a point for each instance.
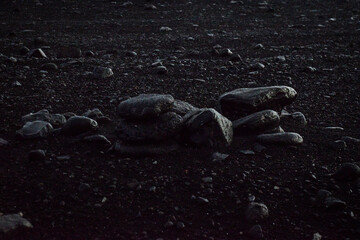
(161, 70)
(297, 118)
(37, 155)
(93, 113)
(79, 124)
(49, 67)
(139, 150)
(12, 222)
(243, 101)
(182, 108)
(3, 142)
(44, 115)
(35, 129)
(256, 212)
(333, 203)
(207, 128)
(290, 138)
(338, 145)
(321, 196)
(257, 122)
(145, 106)
(158, 129)
(38, 53)
(256, 232)
(102, 72)
(98, 139)
(347, 172)
(69, 52)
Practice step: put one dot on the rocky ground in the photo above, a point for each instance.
(103, 52)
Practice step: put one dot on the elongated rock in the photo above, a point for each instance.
(280, 138)
(206, 127)
(44, 115)
(35, 129)
(158, 129)
(244, 101)
(257, 122)
(79, 124)
(145, 106)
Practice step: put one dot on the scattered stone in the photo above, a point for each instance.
(257, 122)
(161, 70)
(127, 4)
(347, 172)
(256, 212)
(79, 124)
(281, 58)
(257, 66)
(69, 52)
(12, 222)
(163, 127)
(37, 155)
(335, 204)
(3, 142)
(98, 139)
(102, 72)
(38, 53)
(338, 145)
(145, 106)
(206, 127)
(49, 67)
(35, 129)
(245, 101)
(143, 150)
(256, 232)
(202, 200)
(259, 148)
(44, 115)
(182, 108)
(290, 138)
(40, 42)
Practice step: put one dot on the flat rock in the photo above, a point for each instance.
(35, 129)
(12, 222)
(79, 124)
(163, 127)
(44, 115)
(102, 72)
(182, 108)
(244, 101)
(257, 122)
(347, 172)
(206, 127)
(256, 212)
(145, 106)
(290, 138)
(139, 150)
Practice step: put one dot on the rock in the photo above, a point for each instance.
(256, 212)
(37, 155)
(37, 53)
(244, 101)
(321, 196)
(35, 129)
(89, 54)
(180, 225)
(168, 224)
(12, 222)
(165, 29)
(296, 118)
(69, 52)
(257, 122)
(93, 113)
(79, 124)
(102, 72)
(98, 139)
(143, 149)
(131, 54)
(256, 232)
(44, 115)
(216, 156)
(84, 187)
(49, 67)
(280, 138)
(335, 204)
(182, 108)
(150, 7)
(163, 127)
(338, 145)
(161, 70)
(145, 106)
(206, 127)
(317, 236)
(24, 50)
(127, 4)
(3, 142)
(351, 140)
(347, 172)
(207, 179)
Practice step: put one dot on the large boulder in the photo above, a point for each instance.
(45, 115)
(243, 101)
(145, 106)
(207, 128)
(79, 124)
(158, 129)
(35, 129)
(257, 122)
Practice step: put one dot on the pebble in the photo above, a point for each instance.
(69, 52)
(49, 67)
(37, 155)
(161, 70)
(347, 172)
(37, 53)
(351, 140)
(256, 212)
(13, 221)
(139, 150)
(335, 204)
(45, 115)
(256, 232)
(83, 187)
(207, 179)
(168, 224)
(216, 156)
(102, 72)
(3, 142)
(317, 236)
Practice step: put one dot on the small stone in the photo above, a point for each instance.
(93, 113)
(280, 138)
(296, 118)
(37, 155)
(207, 179)
(203, 200)
(216, 156)
(127, 4)
(338, 145)
(335, 204)
(317, 236)
(247, 152)
(281, 58)
(161, 70)
(321, 196)
(165, 29)
(12, 222)
(38, 53)
(24, 50)
(89, 54)
(180, 225)
(256, 212)
(256, 232)
(35, 129)
(3, 142)
(131, 54)
(79, 124)
(49, 67)
(347, 172)
(102, 72)
(98, 139)
(168, 224)
(84, 186)
(150, 7)
(351, 140)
